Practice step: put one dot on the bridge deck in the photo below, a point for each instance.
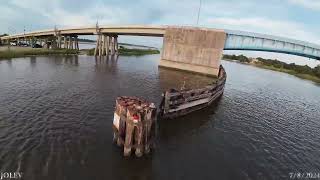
(236, 40)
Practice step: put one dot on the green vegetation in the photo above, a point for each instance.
(304, 72)
(4, 34)
(130, 52)
(240, 58)
(7, 54)
(86, 40)
(137, 52)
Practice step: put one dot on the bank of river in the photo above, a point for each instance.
(15, 52)
(283, 70)
(56, 117)
(128, 51)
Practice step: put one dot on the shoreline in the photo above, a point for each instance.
(309, 77)
(127, 52)
(9, 54)
(16, 52)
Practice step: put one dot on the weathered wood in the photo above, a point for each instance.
(177, 103)
(132, 125)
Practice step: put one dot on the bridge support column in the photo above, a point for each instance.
(104, 45)
(65, 46)
(46, 43)
(69, 42)
(107, 44)
(193, 49)
(98, 45)
(76, 44)
(59, 41)
(112, 45)
(40, 42)
(54, 43)
(116, 47)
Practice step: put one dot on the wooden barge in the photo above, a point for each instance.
(181, 102)
(134, 123)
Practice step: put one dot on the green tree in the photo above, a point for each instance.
(316, 71)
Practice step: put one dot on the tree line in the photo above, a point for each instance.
(277, 64)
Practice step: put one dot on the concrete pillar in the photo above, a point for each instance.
(112, 45)
(96, 50)
(116, 48)
(107, 44)
(40, 42)
(69, 42)
(64, 42)
(46, 43)
(77, 43)
(103, 44)
(54, 42)
(193, 49)
(100, 45)
(59, 41)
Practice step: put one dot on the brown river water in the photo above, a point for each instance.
(56, 122)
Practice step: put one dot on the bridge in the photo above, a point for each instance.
(185, 48)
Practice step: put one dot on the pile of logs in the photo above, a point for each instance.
(134, 125)
(181, 102)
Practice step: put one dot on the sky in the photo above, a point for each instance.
(297, 19)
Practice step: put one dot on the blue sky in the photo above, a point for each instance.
(298, 19)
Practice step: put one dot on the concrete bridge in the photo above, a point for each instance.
(185, 48)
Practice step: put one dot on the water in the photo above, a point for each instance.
(56, 116)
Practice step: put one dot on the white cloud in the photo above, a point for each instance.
(311, 4)
(267, 26)
(55, 13)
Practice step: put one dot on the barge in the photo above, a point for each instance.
(177, 103)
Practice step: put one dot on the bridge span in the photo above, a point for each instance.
(186, 48)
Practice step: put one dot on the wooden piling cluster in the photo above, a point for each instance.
(134, 125)
(181, 102)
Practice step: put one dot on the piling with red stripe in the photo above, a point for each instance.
(134, 125)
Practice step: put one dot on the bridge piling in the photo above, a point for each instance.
(77, 43)
(64, 42)
(193, 49)
(103, 44)
(112, 45)
(116, 48)
(107, 45)
(71, 42)
(59, 41)
(96, 50)
(100, 45)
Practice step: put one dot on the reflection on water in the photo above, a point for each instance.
(56, 121)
